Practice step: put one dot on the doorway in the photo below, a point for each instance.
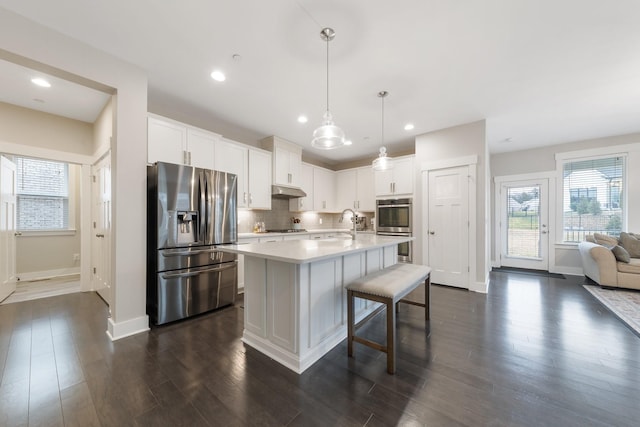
(101, 228)
(449, 226)
(523, 223)
(7, 227)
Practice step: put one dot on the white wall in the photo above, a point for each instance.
(564, 257)
(25, 41)
(456, 142)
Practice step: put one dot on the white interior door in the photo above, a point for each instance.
(524, 229)
(448, 229)
(7, 227)
(101, 223)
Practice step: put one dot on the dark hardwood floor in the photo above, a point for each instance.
(534, 351)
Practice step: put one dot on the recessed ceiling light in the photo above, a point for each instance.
(40, 82)
(218, 76)
(409, 126)
(348, 142)
(302, 119)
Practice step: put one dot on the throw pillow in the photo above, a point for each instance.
(605, 239)
(621, 254)
(590, 238)
(631, 244)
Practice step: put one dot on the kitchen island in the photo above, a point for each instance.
(294, 297)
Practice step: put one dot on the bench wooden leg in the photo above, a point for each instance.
(427, 298)
(350, 322)
(391, 333)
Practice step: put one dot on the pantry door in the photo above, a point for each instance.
(8, 188)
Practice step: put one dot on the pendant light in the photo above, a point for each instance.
(382, 162)
(328, 136)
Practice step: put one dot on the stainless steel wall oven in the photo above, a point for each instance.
(393, 218)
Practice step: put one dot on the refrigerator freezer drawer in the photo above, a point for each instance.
(181, 258)
(184, 293)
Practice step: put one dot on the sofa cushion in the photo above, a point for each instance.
(631, 243)
(605, 239)
(632, 267)
(621, 254)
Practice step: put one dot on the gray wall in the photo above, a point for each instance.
(565, 257)
(447, 144)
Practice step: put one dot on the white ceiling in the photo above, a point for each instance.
(540, 72)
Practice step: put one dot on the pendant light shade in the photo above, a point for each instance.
(382, 162)
(328, 136)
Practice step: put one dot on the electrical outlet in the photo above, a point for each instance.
(76, 257)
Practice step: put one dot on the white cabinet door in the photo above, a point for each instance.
(346, 189)
(166, 141)
(201, 148)
(241, 263)
(324, 190)
(396, 181)
(259, 188)
(403, 176)
(287, 167)
(302, 204)
(233, 158)
(366, 197)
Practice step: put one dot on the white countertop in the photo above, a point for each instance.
(308, 232)
(304, 251)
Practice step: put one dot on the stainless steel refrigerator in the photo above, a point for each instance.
(191, 211)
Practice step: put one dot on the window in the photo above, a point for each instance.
(42, 194)
(593, 192)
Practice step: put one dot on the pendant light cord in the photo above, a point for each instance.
(328, 74)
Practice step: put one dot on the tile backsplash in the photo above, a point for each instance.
(279, 217)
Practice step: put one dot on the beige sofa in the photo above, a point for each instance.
(604, 261)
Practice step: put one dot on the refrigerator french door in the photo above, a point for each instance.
(191, 211)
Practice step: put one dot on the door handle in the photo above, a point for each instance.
(543, 232)
(100, 235)
(17, 233)
(432, 232)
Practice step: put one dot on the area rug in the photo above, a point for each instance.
(623, 303)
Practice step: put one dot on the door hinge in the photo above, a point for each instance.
(94, 270)
(468, 269)
(94, 224)
(94, 178)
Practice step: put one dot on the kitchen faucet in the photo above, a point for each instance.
(354, 219)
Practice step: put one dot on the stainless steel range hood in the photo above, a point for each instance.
(282, 192)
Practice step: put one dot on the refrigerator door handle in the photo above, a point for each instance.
(187, 253)
(197, 273)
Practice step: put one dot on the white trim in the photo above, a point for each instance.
(47, 233)
(48, 274)
(597, 152)
(44, 153)
(116, 331)
(449, 163)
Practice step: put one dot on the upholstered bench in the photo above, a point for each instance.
(388, 286)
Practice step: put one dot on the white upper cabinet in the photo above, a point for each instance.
(233, 158)
(173, 142)
(301, 204)
(259, 188)
(287, 161)
(251, 166)
(396, 181)
(324, 190)
(355, 189)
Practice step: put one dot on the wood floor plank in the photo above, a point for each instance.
(534, 351)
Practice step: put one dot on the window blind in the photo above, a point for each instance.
(593, 197)
(42, 194)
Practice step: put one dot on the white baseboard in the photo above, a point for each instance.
(48, 274)
(480, 287)
(119, 330)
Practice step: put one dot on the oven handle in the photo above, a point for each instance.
(393, 206)
(383, 233)
(198, 272)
